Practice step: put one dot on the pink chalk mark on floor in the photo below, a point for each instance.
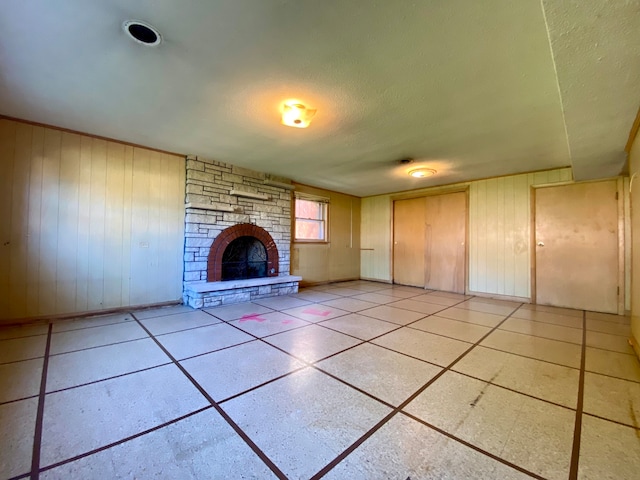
(320, 313)
(287, 322)
(252, 317)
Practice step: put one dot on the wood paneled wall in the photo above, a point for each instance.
(498, 233)
(634, 169)
(86, 224)
(339, 259)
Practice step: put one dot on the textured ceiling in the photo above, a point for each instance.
(469, 89)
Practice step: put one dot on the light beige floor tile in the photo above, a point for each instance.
(95, 337)
(408, 289)
(456, 296)
(555, 310)
(359, 326)
(312, 343)
(483, 306)
(399, 293)
(612, 328)
(531, 433)
(606, 341)
(85, 418)
(237, 310)
(98, 321)
(158, 312)
(202, 340)
(535, 347)
(613, 363)
(388, 375)
(364, 286)
(375, 298)
(22, 348)
(315, 313)
(268, 323)
(198, 447)
(303, 421)
(20, 379)
(416, 306)
(425, 346)
(17, 426)
(608, 451)
(544, 330)
(470, 316)
(239, 368)
(315, 296)
(349, 304)
(465, 331)
(547, 317)
(282, 302)
(84, 366)
(436, 300)
(179, 321)
(608, 317)
(344, 292)
(17, 331)
(406, 449)
(539, 379)
(611, 398)
(497, 301)
(396, 315)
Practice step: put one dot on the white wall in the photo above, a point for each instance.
(498, 232)
(86, 224)
(634, 169)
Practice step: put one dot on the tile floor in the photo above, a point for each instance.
(357, 380)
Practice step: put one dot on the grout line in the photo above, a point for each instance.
(272, 466)
(37, 436)
(327, 468)
(473, 447)
(539, 336)
(123, 440)
(187, 329)
(19, 399)
(21, 360)
(610, 376)
(575, 453)
(107, 378)
(90, 326)
(22, 336)
(19, 477)
(236, 395)
(98, 346)
(635, 427)
(529, 357)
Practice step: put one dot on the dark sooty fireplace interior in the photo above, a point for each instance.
(245, 257)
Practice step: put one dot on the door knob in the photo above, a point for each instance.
(541, 244)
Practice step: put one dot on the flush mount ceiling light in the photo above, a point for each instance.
(295, 114)
(422, 172)
(142, 33)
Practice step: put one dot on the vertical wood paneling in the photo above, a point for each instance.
(68, 221)
(49, 221)
(75, 215)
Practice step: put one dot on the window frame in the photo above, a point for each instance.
(324, 205)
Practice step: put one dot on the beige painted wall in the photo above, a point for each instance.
(498, 234)
(634, 168)
(86, 224)
(339, 259)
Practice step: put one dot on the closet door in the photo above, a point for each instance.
(429, 242)
(576, 238)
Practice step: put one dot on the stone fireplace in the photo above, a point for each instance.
(237, 235)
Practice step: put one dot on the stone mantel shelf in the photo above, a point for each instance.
(211, 206)
(242, 193)
(233, 284)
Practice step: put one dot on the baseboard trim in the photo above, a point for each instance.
(92, 313)
(497, 296)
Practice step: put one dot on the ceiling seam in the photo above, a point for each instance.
(555, 71)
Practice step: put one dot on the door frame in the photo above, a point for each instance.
(431, 193)
(621, 235)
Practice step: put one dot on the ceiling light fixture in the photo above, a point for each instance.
(142, 33)
(295, 114)
(422, 172)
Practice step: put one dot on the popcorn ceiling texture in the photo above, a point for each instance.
(210, 183)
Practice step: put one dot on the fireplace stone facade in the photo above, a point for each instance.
(219, 196)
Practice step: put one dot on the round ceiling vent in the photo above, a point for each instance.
(142, 32)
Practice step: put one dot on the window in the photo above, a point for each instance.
(311, 218)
